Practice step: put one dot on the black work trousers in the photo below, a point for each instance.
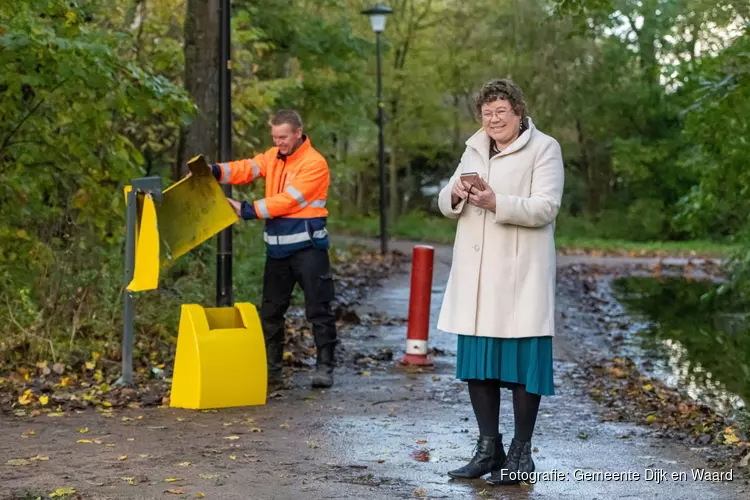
(311, 268)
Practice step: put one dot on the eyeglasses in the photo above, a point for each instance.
(498, 113)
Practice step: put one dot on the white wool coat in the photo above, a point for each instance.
(502, 279)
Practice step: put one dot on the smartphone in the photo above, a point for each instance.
(472, 178)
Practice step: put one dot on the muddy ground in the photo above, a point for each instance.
(381, 432)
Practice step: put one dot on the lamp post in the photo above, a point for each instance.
(377, 15)
(224, 242)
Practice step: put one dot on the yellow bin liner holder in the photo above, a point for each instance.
(221, 358)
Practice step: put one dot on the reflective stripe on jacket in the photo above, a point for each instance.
(295, 203)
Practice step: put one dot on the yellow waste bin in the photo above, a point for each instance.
(221, 358)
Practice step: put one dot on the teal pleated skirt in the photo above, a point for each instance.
(526, 361)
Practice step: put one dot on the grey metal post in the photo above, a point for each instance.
(127, 338)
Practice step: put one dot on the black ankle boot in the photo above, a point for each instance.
(489, 456)
(517, 465)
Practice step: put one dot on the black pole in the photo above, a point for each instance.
(381, 158)
(224, 244)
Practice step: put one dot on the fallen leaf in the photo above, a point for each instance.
(39, 458)
(144, 455)
(61, 492)
(227, 424)
(44, 399)
(172, 479)
(256, 429)
(651, 418)
(90, 365)
(648, 387)
(200, 495)
(366, 373)
(126, 419)
(123, 457)
(129, 480)
(582, 435)
(184, 464)
(26, 398)
(232, 457)
(231, 438)
(84, 441)
(176, 491)
(84, 430)
(284, 426)
(30, 432)
(17, 461)
(730, 437)
(421, 441)
(421, 492)
(208, 476)
(180, 419)
(56, 414)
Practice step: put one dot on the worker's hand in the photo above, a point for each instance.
(236, 205)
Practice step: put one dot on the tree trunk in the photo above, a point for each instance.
(201, 81)
(592, 194)
(393, 185)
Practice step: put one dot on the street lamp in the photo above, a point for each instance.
(377, 15)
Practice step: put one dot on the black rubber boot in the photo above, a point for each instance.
(275, 362)
(323, 376)
(517, 465)
(488, 457)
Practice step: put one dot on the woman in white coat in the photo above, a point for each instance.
(500, 297)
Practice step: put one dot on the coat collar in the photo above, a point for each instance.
(480, 141)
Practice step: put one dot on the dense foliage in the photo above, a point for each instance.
(649, 99)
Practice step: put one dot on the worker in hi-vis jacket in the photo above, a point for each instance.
(294, 208)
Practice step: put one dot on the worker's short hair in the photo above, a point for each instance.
(288, 116)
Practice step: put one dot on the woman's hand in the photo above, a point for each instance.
(484, 198)
(459, 191)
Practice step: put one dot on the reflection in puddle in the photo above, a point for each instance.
(696, 341)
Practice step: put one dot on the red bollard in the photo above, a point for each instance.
(418, 328)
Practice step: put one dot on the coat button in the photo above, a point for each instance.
(478, 211)
(476, 248)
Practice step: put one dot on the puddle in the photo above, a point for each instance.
(692, 339)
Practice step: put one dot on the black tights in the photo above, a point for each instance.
(485, 399)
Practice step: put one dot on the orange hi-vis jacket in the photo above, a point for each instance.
(295, 202)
